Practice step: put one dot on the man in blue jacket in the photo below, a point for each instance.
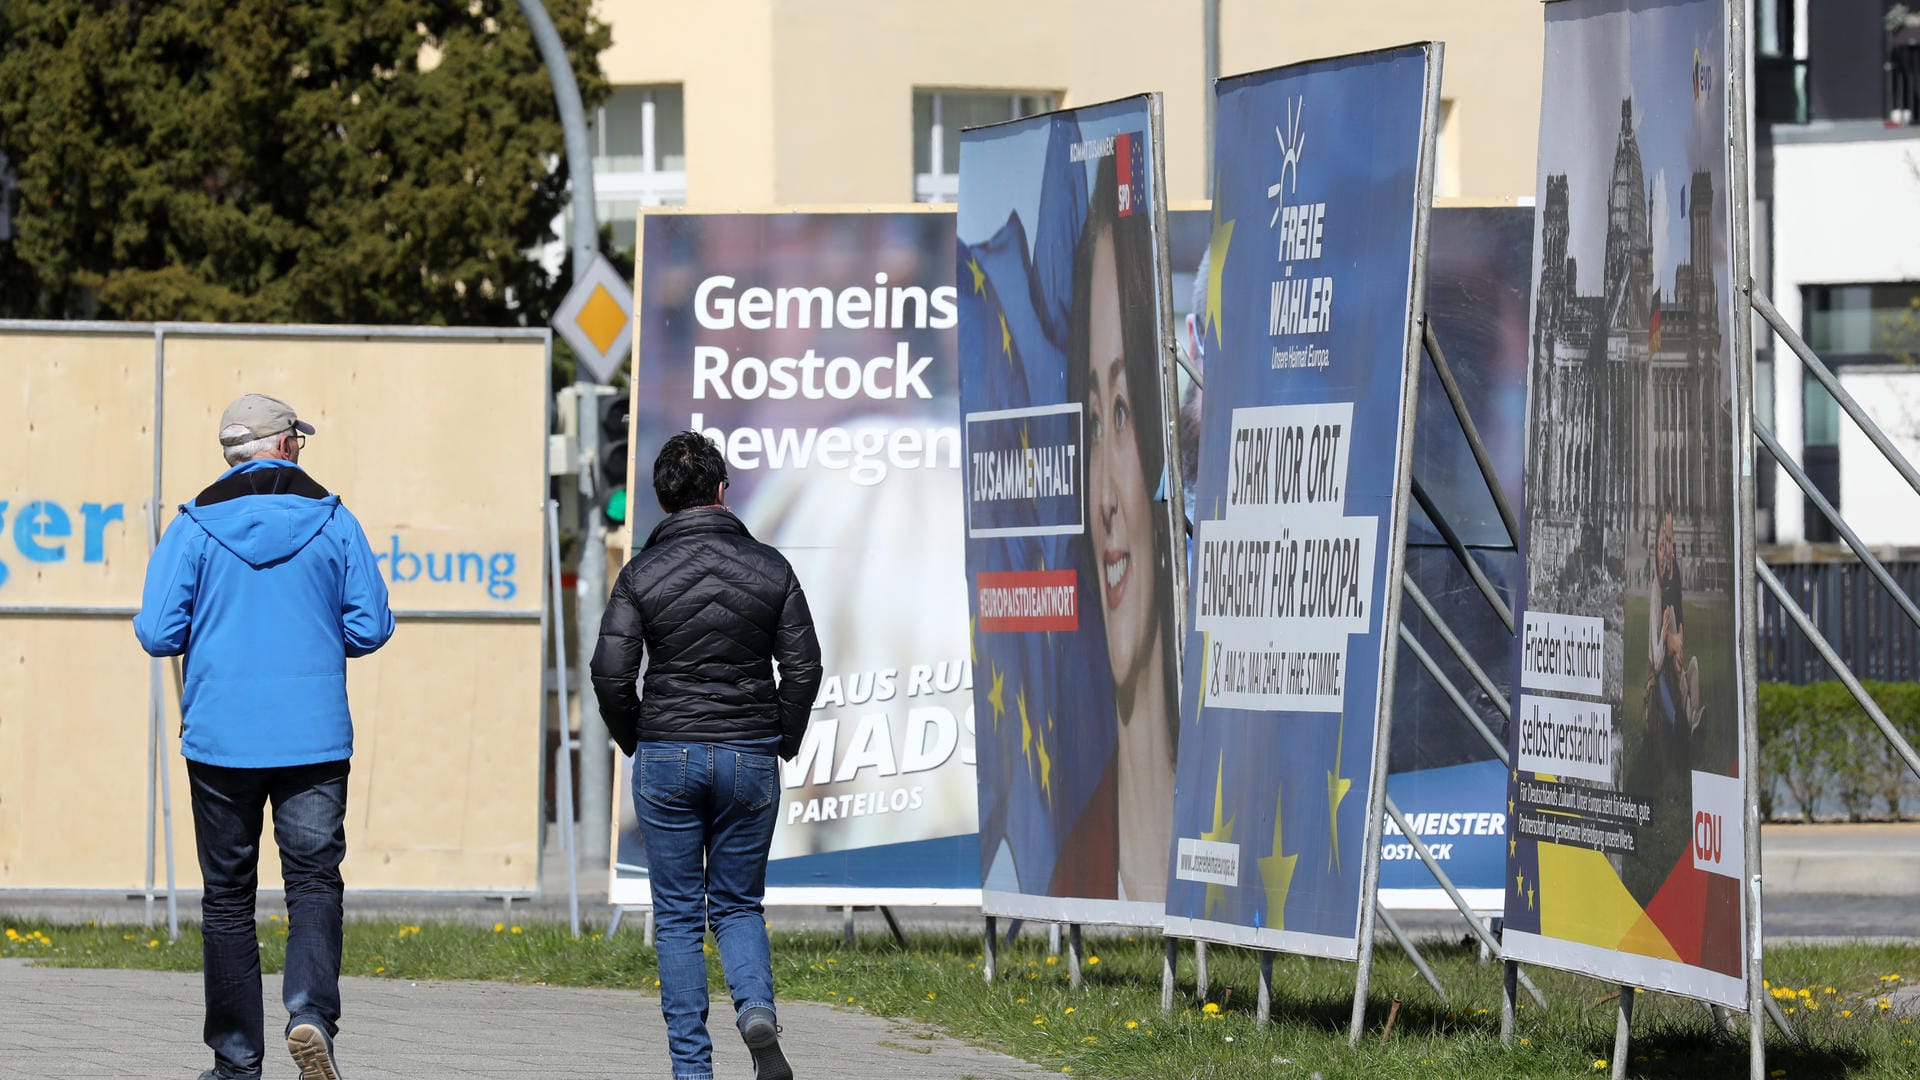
(266, 585)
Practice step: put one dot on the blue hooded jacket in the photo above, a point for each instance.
(266, 584)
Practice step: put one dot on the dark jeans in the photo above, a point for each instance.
(309, 824)
(706, 814)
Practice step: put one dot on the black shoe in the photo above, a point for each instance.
(763, 1041)
(312, 1050)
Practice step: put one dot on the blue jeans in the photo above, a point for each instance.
(706, 815)
(309, 824)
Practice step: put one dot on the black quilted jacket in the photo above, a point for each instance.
(710, 608)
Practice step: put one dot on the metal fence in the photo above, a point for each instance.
(1854, 611)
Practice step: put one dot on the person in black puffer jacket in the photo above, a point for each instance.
(710, 611)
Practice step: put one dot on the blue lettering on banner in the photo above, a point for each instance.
(40, 531)
(494, 571)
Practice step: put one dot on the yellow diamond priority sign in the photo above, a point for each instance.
(596, 319)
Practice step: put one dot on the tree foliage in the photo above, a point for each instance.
(367, 161)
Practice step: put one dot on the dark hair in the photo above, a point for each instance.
(688, 472)
(1133, 258)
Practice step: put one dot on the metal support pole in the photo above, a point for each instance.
(1468, 428)
(1460, 552)
(590, 600)
(1479, 928)
(613, 924)
(1401, 939)
(1509, 975)
(166, 814)
(1459, 650)
(1263, 1007)
(1827, 379)
(846, 925)
(1453, 693)
(563, 764)
(990, 950)
(1839, 666)
(1622, 1030)
(893, 924)
(1827, 510)
(1169, 959)
(1053, 939)
(646, 927)
(1210, 39)
(1200, 979)
(159, 765)
(1073, 955)
(1780, 1020)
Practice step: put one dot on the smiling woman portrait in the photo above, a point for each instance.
(1114, 370)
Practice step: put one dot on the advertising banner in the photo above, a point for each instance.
(817, 349)
(1442, 775)
(1627, 841)
(1310, 331)
(1072, 510)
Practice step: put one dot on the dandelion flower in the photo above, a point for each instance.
(931, 995)
(154, 944)
(1052, 960)
(516, 930)
(1092, 960)
(1210, 1008)
(379, 971)
(1069, 1008)
(1599, 1063)
(1088, 1040)
(1020, 1001)
(497, 927)
(1526, 1042)
(1846, 1012)
(1131, 1024)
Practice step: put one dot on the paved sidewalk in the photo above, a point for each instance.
(76, 1023)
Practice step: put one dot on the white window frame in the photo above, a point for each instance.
(942, 184)
(649, 185)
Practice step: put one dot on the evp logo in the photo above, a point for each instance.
(42, 531)
(1719, 839)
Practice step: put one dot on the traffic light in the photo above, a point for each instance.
(610, 484)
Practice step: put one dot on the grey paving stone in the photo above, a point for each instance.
(69, 1023)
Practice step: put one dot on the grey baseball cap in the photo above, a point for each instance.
(257, 416)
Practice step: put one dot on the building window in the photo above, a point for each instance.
(939, 116)
(638, 138)
(1848, 325)
(1864, 323)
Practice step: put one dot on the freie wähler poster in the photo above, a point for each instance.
(818, 351)
(1442, 774)
(1072, 503)
(1311, 331)
(1627, 846)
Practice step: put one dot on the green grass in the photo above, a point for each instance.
(1112, 1027)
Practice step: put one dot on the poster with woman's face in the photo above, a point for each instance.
(1075, 550)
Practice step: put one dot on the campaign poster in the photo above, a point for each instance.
(817, 350)
(1072, 500)
(1440, 772)
(1627, 848)
(1310, 332)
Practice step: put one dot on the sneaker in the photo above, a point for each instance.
(763, 1041)
(312, 1050)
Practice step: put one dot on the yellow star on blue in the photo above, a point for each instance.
(1276, 870)
(1222, 832)
(997, 695)
(1337, 788)
(979, 275)
(1006, 337)
(1217, 245)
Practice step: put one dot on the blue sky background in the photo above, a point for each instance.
(1651, 60)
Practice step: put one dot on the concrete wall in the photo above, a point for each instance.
(811, 101)
(1843, 212)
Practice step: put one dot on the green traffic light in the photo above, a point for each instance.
(617, 506)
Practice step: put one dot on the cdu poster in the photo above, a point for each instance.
(817, 351)
(1071, 502)
(1627, 847)
(1310, 331)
